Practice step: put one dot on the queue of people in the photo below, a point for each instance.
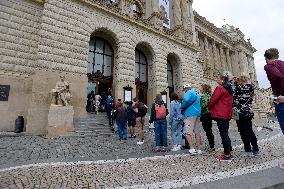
(232, 98)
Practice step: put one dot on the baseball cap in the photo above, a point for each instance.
(187, 85)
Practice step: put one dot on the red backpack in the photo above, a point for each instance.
(161, 112)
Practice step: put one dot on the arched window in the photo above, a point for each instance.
(170, 75)
(140, 66)
(100, 57)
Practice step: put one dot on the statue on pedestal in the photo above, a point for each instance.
(61, 93)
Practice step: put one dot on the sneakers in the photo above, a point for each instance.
(224, 157)
(156, 149)
(192, 151)
(164, 149)
(281, 165)
(255, 153)
(176, 148)
(199, 152)
(247, 154)
(140, 142)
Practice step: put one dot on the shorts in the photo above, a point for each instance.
(131, 123)
(192, 125)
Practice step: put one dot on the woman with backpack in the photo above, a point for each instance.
(221, 108)
(158, 116)
(176, 122)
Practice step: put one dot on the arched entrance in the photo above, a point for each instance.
(100, 66)
(173, 74)
(170, 79)
(141, 76)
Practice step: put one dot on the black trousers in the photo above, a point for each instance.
(207, 126)
(223, 126)
(247, 134)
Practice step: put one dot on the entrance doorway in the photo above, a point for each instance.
(141, 92)
(104, 87)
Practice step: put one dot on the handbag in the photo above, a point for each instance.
(236, 115)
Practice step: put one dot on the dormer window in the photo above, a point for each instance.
(137, 10)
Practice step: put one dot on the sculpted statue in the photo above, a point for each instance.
(182, 13)
(61, 93)
(185, 9)
(155, 5)
(177, 13)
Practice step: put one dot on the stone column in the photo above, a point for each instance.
(215, 61)
(223, 59)
(228, 60)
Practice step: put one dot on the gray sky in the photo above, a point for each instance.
(260, 20)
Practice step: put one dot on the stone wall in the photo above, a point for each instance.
(43, 39)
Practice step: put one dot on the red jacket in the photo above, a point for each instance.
(275, 74)
(221, 103)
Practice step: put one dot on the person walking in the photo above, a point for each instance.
(158, 116)
(141, 110)
(205, 118)
(221, 108)
(275, 73)
(131, 119)
(121, 121)
(176, 122)
(191, 114)
(242, 103)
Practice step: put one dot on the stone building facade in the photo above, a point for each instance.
(110, 44)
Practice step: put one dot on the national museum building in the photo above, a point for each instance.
(126, 48)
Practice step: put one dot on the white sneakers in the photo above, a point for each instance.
(176, 148)
(192, 151)
(140, 142)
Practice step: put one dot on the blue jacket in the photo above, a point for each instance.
(191, 104)
(175, 113)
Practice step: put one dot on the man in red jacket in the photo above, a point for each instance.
(275, 74)
(220, 106)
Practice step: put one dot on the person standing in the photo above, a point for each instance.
(221, 108)
(121, 121)
(90, 102)
(158, 116)
(141, 110)
(97, 101)
(242, 102)
(176, 122)
(206, 115)
(191, 114)
(275, 73)
(131, 119)
(109, 108)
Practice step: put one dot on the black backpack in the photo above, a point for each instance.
(142, 110)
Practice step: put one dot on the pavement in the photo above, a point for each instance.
(106, 162)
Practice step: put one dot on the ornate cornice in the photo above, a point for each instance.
(201, 21)
(114, 10)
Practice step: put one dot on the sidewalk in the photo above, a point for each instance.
(72, 162)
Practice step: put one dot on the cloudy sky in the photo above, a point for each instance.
(260, 20)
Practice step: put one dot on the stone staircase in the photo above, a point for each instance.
(92, 125)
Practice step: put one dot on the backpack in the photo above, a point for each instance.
(161, 112)
(142, 110)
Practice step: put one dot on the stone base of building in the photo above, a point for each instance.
(60, 120)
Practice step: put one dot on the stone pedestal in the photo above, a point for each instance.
(60, 120)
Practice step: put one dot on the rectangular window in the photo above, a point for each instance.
(107, 65)
(99, 46)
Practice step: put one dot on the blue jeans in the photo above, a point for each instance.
(279, 110)
(161, 131)
(122, 130)
(177, 128)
